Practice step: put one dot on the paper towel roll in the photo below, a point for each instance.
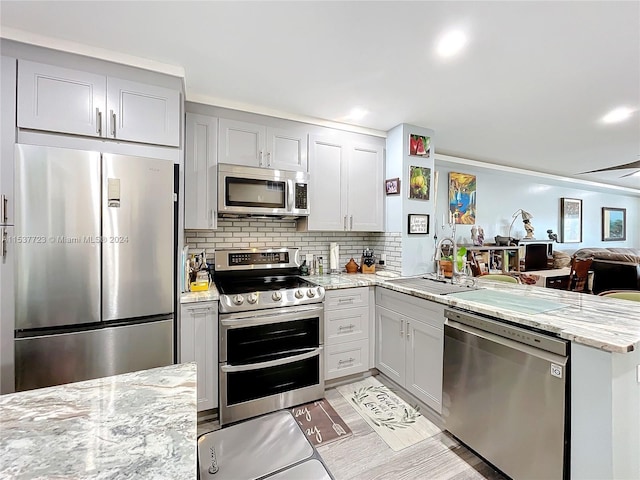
(334, 256)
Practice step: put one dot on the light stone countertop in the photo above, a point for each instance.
(605, 323)
(210, 295)
(139, 425)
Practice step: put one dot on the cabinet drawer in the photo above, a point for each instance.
(346, 359)
(346, 325)
(346, 298)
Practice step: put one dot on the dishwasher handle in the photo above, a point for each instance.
(462, 333)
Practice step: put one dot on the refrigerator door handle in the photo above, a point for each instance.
(3, 241)
(4, 216)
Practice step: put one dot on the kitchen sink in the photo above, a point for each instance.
(431, 285)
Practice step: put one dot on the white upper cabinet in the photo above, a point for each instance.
(143, 113)
(345, 185)
(62, 100)
(200, 172)
(256, 145)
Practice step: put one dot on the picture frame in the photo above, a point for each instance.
(392, 186)
(570, 220)
(419, 145)
(418, 224)
(614, 224)
(419, 182)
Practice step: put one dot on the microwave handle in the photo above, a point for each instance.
(290, 194)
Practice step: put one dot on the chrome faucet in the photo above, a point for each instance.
(456, 273)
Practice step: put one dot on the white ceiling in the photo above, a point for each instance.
(528, 91)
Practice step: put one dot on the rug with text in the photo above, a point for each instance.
(398, 424)
(320, 422)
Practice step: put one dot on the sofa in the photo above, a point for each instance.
(613, 268)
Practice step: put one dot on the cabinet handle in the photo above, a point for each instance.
(98, 122)
(408, 332)
(260, 158)
(351, 223)
(3, 240)
(346, 327)
(268, 159)
(113, 124)
(345, 300)
(402, 328)
(4, 215)
(348, 360)
(200, 310)
(345, 222)
(210, 217)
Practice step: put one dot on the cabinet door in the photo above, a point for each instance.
(241, 143)
(287, 149)
(200, 174)
(7, 138)
(61, 100)
(365, 169)
(199, 343)
(424, 363)
(143, 113)
(327, 211)
(390, 344)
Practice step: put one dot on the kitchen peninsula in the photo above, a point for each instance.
(135, 425)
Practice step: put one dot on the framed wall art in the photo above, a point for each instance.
(392, 186)
(419, 181)
(570, 220)
(462, 198)
(418, 224)
(614, 224)
(419, 145)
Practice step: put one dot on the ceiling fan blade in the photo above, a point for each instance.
(631, 174)
(624, 166)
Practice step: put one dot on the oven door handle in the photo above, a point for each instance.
(246, 319)
(272, 363)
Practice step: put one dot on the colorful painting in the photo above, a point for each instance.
(462, 198)
(419, 146)
(420, 178)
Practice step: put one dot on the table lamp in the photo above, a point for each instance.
(526, 217)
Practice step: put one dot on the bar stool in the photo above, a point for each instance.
(622, 294)
(500, 278)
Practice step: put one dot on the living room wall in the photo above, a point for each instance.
(501, 192)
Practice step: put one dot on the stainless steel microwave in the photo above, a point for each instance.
(252, 191)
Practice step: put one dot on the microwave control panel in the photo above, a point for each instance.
(301, 196)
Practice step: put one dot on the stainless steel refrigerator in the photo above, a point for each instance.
(94, 236)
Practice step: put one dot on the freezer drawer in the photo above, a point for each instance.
(71, 357)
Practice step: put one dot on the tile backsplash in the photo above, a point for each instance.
(248, 233)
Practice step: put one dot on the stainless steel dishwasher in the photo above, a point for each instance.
(505, 395)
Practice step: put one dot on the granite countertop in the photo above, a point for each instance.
(349, 280)
(608, 324)
(204, 296)
(139, 425)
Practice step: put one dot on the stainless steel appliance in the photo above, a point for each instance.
(271, 333)
(505, 395)
(252, 191)
(278, 447)
(94, 265)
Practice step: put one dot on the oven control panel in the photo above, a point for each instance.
(264, 300)
(256, 259)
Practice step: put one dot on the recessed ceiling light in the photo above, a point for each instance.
(451, 43)
(357, 113)
(617, 115)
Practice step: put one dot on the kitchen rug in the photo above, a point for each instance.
(320, 422)
(398, 424)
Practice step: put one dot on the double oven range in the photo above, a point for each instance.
(271, 333)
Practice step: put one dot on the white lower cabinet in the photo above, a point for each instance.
(346, 332)
(199, 343)
(409, 344)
